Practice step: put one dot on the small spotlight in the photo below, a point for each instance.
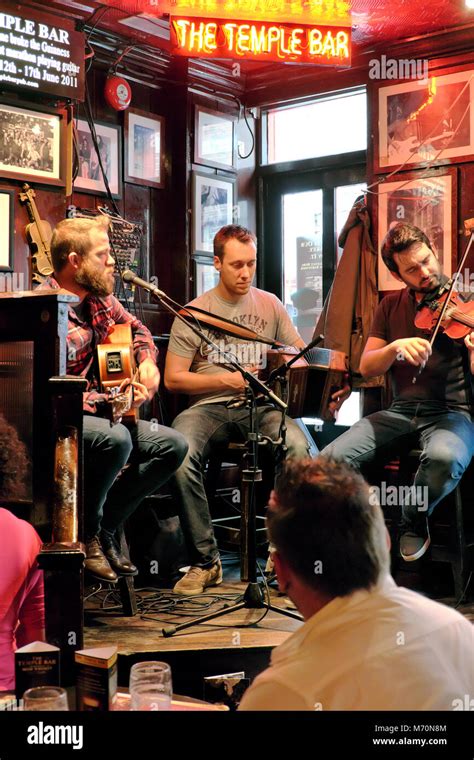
(469, 4)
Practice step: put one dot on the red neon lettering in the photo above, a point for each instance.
(210, 37)
(315, 38)
(180, 28)
(342, 39)
(243, 39)
(229, 30)
(295, 41)
(257, 39)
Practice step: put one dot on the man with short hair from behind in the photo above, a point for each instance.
(366, 644)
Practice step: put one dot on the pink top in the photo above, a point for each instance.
(21, 592)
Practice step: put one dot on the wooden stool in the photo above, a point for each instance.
(236, 533)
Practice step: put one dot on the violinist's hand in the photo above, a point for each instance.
(469, 341)
(415, 351)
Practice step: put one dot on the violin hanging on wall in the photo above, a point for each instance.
(38, 234)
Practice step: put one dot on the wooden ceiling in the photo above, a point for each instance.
(135, 27)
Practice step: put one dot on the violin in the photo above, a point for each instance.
(38, 234)
(457, 320)
(448, 312)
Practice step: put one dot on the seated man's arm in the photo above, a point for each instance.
(379, 355)
(179, 379)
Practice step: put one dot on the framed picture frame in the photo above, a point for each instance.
(206, 276)
(428, 202)
(213, 207)
(144, 148)
(214, 139)
(89, 179)
(420, 121)
(7, 226)
(33, 144)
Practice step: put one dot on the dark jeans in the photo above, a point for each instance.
(446, 440)
(152, 456)
(208, 428)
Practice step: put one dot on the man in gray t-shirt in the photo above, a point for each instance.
(210, 422)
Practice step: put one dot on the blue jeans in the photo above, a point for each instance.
(446, 439)
(152, 457)
(208, 428)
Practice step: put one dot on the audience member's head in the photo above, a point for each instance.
(327, 531)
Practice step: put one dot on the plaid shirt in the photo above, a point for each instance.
(83, 337)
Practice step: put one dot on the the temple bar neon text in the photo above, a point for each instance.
(255, 40)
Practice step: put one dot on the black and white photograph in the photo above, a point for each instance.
(428, 203)
(89, 178)
(213, 203)
(30, 143)
(430, 120)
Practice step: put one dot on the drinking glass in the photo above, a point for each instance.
(151, 687)
(45, 698)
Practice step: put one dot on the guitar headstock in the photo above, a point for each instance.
(27, 193)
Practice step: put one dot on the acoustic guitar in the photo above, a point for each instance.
(38, 234)
(116, 360)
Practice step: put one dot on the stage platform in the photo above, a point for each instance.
(241, 640)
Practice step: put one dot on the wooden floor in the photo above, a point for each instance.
(241, 640)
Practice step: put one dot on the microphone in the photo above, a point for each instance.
(129, 276)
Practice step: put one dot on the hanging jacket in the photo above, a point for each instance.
(350, 305)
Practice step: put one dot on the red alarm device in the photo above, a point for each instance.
(118, 92)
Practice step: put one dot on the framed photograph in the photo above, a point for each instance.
(429, 203)
(426, 120)
(89, 179)
(6, 230)
(32, 144)
(205, 275)
(214, 139)
(213, 207)
(144, 148)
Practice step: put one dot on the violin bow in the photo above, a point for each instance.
(468, 230)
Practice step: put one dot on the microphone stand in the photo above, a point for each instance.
(253, 596)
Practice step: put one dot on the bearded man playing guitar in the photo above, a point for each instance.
(83, 265)
(432, 405)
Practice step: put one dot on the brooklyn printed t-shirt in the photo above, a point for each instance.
(258, 310)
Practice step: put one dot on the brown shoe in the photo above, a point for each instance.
(198, 578)
(116, 559)
(96, 563)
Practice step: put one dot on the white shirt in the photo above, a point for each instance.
(384, 649)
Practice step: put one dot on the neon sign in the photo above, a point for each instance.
(258, 40)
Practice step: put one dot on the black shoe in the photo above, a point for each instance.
(118, 561)
(96, 563)
(414, 542)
